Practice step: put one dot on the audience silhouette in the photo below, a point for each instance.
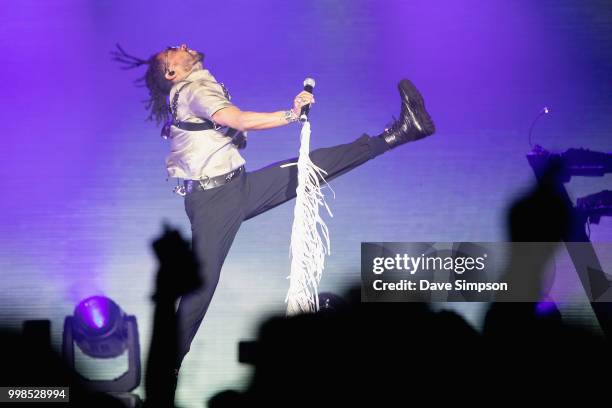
(359, 354)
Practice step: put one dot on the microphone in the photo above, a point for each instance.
(544, 111)
(309, 85)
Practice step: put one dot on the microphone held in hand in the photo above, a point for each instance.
(309, 85)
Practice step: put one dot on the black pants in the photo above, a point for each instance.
(216, 215)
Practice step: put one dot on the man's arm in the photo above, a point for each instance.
(243, 120)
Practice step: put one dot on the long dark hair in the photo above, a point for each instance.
(155, 81)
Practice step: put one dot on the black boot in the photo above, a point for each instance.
(414, 122)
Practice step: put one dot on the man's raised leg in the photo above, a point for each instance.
(273, 185)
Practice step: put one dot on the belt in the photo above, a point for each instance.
(206, 183)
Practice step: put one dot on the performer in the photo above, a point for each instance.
(206, 131)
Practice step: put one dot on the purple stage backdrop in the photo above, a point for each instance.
(84, 182)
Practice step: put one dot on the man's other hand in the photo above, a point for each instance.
(302, 99)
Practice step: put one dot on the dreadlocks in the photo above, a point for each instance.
(154, 79)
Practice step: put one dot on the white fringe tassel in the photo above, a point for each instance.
(309, 234)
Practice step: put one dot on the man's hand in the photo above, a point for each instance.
(235, 118)
(302, 99)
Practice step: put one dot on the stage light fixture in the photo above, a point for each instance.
(102, 330)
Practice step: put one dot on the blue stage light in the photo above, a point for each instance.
(102, 330)
(100, 327)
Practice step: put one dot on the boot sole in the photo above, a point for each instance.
(416, 107)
